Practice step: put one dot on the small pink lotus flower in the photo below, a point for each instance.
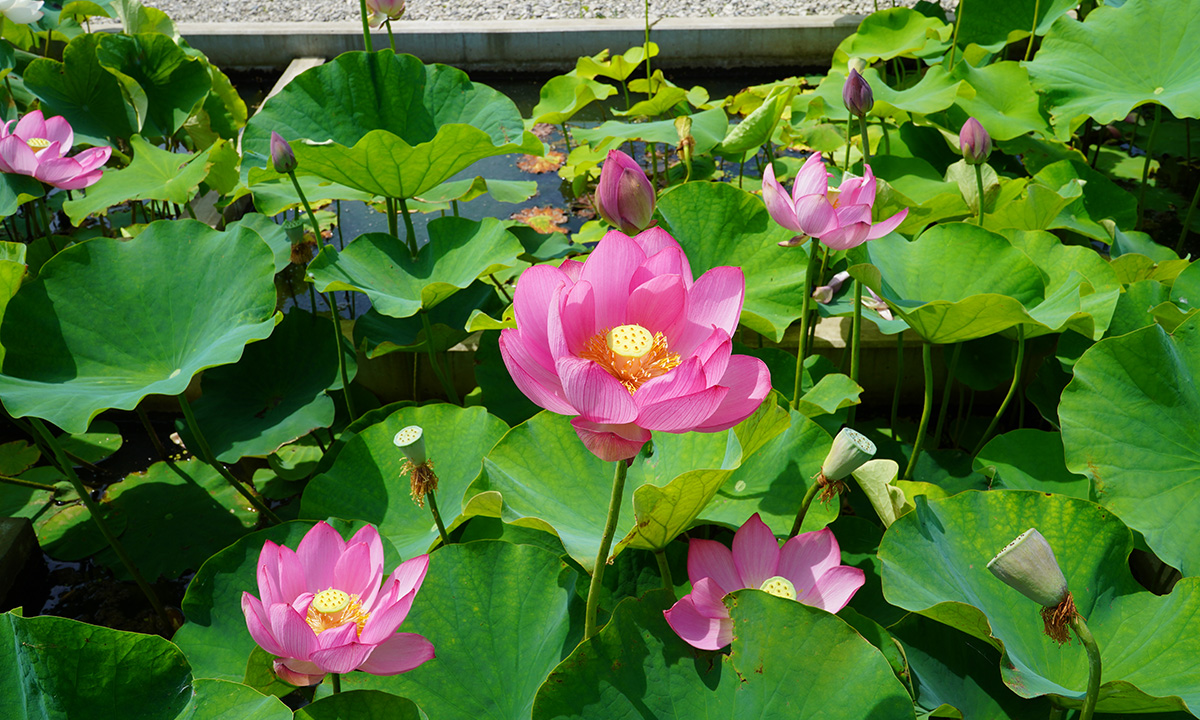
(323, 610)
(840, 219)
(624, 196)
(36, 147)
(629, 343)
(808, 570)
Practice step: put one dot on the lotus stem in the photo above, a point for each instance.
(393, 222)
(804, 304)
(1187, 221)
(926, 409)
(158, 446)
(941, 421)
(1093, 653)
(8, 480)
(410, 231)
(431, 496)
(664, 571)
(958, 11)
(500, 286)
(646, 50)
(447, 385)
(808, 498)
(45, 218)
(1012, 389)
(336, 680)
(334, 315)
(866, 141)
(60, 459)
(856, 348)
(849, 140)
(899, 378)
(362, 11)
(391, 38)
(979, 188)
(206, 454)
(1037, 8)
(1146, 165)
(610, 528)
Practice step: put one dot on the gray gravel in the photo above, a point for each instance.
(347, 10)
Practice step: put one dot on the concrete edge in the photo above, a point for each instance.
(527, 46)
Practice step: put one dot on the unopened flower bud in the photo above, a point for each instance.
(975, 143)
(625, 197)
(282, 156)
(1027, 565)
(857, 95)
(850, 450)
(824, 294)
(411, 440)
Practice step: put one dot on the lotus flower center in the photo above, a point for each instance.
(631, 354)
(333, 608)
(779, 587)
(36, 144)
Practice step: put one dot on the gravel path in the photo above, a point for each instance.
(347, 10)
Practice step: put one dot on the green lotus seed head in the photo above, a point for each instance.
(850, 450)
(412, 441)
(1027, 565)
(294, 229)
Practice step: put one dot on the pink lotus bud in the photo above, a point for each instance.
(857, 95)
(624, 197)
(975, 142)
(282, 156)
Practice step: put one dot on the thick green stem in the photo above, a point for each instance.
(610, 528)
(941, 421)
(664, 571)
(362, 11)
(958, 11)
(46, 224)
(1057, 713)
(334, 315)
(979, 189)
(804, 305)
(393, 222)
(447, 385)
(1012, 389)
(337, 682)
(849, 140)
(899, 380)
(158, 446)
(60, 459)
(1187, 221)
(866, 141)
(7, 480)
(206, 454)
(856, 348)
(1146, 165)
(409, 230)
(808, 498)
(391, 38)
(1093, 654)
(927, 408)
(1037, 9)
(431, 498)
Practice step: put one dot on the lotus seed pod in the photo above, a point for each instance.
(1027, 565)
(412, 441)
(850, 450)
(294, 229)
(857, 64)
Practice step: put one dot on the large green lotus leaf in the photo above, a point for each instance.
(379, 334)
(788, 660)
(564, 95)
(176, 515)
(756, 128)
(1109, 64)
(16, 190)
(273, 193)
(1102, 200)
(773, 480)
(1079, 281)
(365, 481)
(956, 282)
(894, 32)
(662, 513)
(52, 667)
(162, 80)
(1028, 459)
(719, 224)
(921, 188)
(459, 251)
(935, 563)
(359, 705)
(1004, 101)
(178, 298)
(259, 404)
(936, 91)
(499, 617)
(1185, 291)
(272, 234)
(1129, 422)
(83, 92)
(994, 25)
(617, 67)
(225, 700)
(387, 124)
(215, 638)
(154, 174)
(708, 129)
(540, 475)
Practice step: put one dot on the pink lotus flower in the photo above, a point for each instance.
(840, 219)
(36, 147)
(323, 609)
(808, 569)
(629, 343)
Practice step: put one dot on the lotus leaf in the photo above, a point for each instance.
(708, 128)
(157, 77)
(83, 92)
(994, 25)
(564, 95)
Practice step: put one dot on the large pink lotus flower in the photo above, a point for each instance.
(629, 343)
(323, 609)
(808, 569)
(37, 146)
(839, 218)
